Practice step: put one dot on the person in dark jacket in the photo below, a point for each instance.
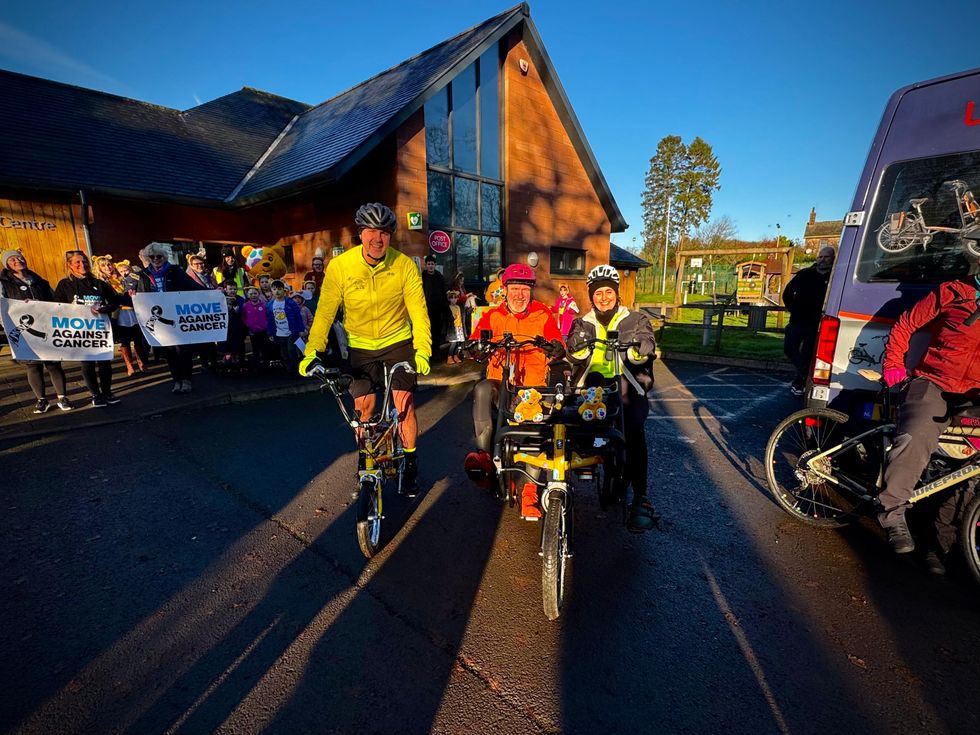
(946, 378)
(162, 276)
(434, 288)
(594, 368)
(803, 297)
(18, 282)
(81, 286)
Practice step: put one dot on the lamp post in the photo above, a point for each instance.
(663, 277)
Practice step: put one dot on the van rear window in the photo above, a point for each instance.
(922, 211)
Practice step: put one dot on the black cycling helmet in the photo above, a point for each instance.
(375, 216)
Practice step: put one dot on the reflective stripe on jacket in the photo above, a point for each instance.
(383, 304)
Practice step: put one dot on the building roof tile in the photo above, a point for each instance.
(245, 147)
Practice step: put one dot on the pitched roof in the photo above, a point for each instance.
(623, 258)
(57, 136)
(248, 146)
(827, 228)
(325, 142)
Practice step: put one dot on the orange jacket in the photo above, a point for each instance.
(531, 364)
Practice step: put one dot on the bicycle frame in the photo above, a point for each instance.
(820, 464)
(374, 436)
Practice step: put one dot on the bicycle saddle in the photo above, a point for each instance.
(918, 202)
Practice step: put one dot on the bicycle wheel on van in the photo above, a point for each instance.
(970, 536)
(369, 516)
(793, 480)
(555, 554)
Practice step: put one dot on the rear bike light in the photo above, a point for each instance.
(823, 360)
(813, 422)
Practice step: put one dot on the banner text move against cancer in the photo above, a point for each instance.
(182, 317)
(43, 330)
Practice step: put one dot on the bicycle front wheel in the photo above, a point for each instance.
(556, 555)
(970, 536)
(794, 481)
(369, 517)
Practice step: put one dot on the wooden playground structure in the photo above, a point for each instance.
(758, 281)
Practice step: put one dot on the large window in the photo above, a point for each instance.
(915, 231)
(462, 145)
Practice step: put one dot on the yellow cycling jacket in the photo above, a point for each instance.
(378, 303)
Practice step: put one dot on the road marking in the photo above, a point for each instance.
(746, 646)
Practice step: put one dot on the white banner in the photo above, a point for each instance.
(44, 330)
(182, 317)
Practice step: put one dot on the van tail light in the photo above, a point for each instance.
(823, 360)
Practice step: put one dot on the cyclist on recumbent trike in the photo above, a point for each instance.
(596, 366)
(525, 320)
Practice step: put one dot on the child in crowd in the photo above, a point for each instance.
(300, 298)
(455, 334)
(265, 288)
(313, 295)
(565, 310)
(256, 326)
(284, 324)
(233, 348)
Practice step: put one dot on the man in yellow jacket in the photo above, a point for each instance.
(385, 317)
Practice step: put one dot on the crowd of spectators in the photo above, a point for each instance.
(266, 317)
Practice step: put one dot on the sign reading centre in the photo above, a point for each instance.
(45, 330)
(182, 317)
(439, 241)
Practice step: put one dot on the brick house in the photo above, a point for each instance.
(476, 134)
(821, 234)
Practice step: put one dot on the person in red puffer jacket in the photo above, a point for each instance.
(945, 379)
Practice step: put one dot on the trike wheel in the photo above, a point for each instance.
(556, 562)
(970, 536)
(794, 483)
(369, 518)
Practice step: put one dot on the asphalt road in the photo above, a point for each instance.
(199, 573)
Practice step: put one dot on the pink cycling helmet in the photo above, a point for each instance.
(518, 273)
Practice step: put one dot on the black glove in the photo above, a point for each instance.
(552, 348)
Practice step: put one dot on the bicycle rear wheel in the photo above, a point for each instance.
(556, 555)
(793, 481)
(369, 517)
(970, 536)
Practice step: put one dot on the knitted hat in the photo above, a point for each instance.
(7, 255)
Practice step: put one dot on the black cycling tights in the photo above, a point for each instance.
(35, 378)
(98, 377)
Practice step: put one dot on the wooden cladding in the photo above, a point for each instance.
(43, 231)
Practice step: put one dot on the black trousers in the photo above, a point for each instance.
(799, 342)
(180, 361)
(35, 378)
(97, 377)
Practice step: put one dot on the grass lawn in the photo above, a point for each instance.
(752, 345)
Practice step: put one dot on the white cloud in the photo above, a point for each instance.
(43, 59)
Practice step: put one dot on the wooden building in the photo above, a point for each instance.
(476, 135)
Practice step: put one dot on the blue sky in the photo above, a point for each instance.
(788, 95)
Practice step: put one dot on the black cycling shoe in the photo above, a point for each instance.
(899, 538)
(410, 480)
